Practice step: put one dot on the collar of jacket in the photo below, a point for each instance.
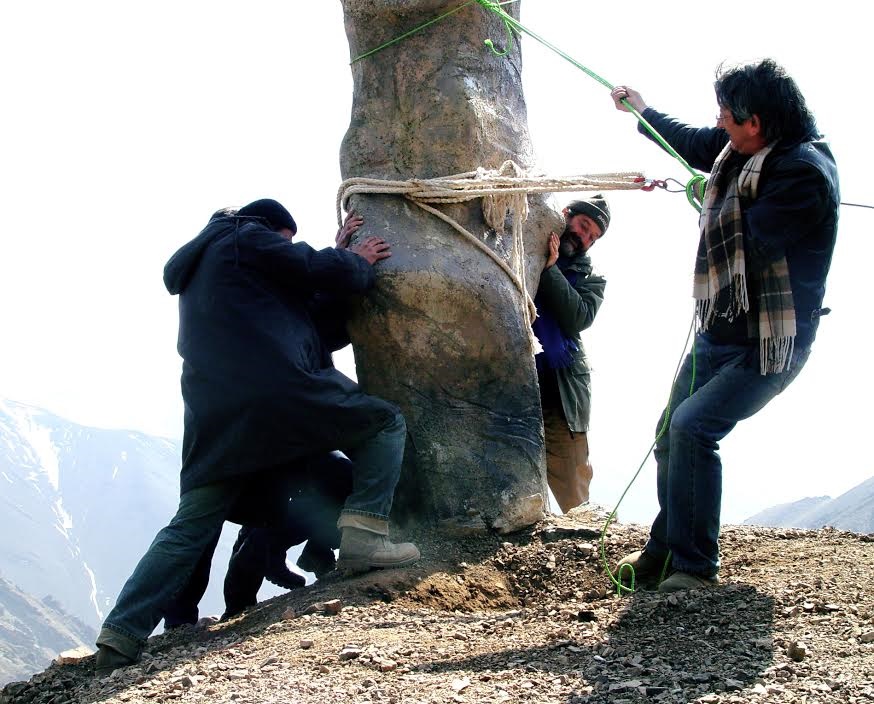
(581, 263)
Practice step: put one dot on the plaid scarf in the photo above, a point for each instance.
(720, 266)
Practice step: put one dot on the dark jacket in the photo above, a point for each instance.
(574, 308)
(258, 319)
(795, 213)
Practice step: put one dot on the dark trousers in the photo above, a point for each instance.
(310, 503)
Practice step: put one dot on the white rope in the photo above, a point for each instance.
(503, 191)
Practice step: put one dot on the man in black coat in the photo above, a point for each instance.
(258, 319)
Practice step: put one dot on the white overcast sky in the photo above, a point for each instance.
(124, 125)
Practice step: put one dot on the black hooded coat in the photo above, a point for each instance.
(258, 319)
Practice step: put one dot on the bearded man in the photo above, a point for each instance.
(568, 298)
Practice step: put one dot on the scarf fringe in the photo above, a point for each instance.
(775, 354)
(739, 302)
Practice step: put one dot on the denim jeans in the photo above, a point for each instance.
(317, 492)
(378, 463)
(166, 568)
(728, 388)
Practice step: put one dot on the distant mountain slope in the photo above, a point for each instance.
(80, 505)
(853, 510)
(33, 632)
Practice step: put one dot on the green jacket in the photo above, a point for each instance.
(574, 308)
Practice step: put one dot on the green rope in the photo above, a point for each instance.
(617, 579)
(694, 190)
(695, 186)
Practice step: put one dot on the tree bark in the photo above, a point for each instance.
(444, 334)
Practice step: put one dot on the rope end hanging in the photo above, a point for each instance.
(508, 28)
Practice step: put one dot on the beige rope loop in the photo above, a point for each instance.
(503, 190)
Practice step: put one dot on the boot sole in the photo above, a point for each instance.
(353, 566)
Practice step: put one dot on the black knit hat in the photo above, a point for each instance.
(270, 210)
(595, 207)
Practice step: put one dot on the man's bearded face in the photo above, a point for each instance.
(569, 244)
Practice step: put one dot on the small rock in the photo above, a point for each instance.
(205, 622)
(628, 684)
(586, 615)
(333, 607)
(387, 666)
(797, 650)
(288, 614)
(350, 652)
(867, 637)
(305, 644)
(459, 685)
(71, 657)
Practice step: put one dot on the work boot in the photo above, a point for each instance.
(647, 569)
(318, 559)
(108, 660)
(680, 581)
(365, 545)
(277, 571)
(245, 571)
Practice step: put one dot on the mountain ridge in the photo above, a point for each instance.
(853, 510)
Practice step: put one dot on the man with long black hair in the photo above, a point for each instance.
(767, 232)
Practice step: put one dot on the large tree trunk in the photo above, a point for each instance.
(444, 335)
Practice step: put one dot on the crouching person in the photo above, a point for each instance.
(259, 317)
(316, 489)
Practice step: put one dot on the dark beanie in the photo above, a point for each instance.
(270, 210)
(595, 207)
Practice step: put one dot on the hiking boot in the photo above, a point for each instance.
(317, 559)
(361, 550)
(277, 572)
(108, 660)
(647, 569)
(364, 544)
(680, 581)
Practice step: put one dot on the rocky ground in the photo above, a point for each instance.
(530, 617)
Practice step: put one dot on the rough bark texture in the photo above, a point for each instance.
(444, 333)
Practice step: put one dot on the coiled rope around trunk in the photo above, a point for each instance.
(504, 190)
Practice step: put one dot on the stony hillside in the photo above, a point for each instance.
(529, 617)
(33, 632)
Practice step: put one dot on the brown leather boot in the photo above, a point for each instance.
(365, 545)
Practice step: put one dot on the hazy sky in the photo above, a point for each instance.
(124, 125)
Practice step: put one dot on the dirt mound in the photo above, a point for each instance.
(478, 588)
(530, 618)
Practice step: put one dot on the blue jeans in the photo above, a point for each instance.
(378, 463)
(166, 568)
(728, 388)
